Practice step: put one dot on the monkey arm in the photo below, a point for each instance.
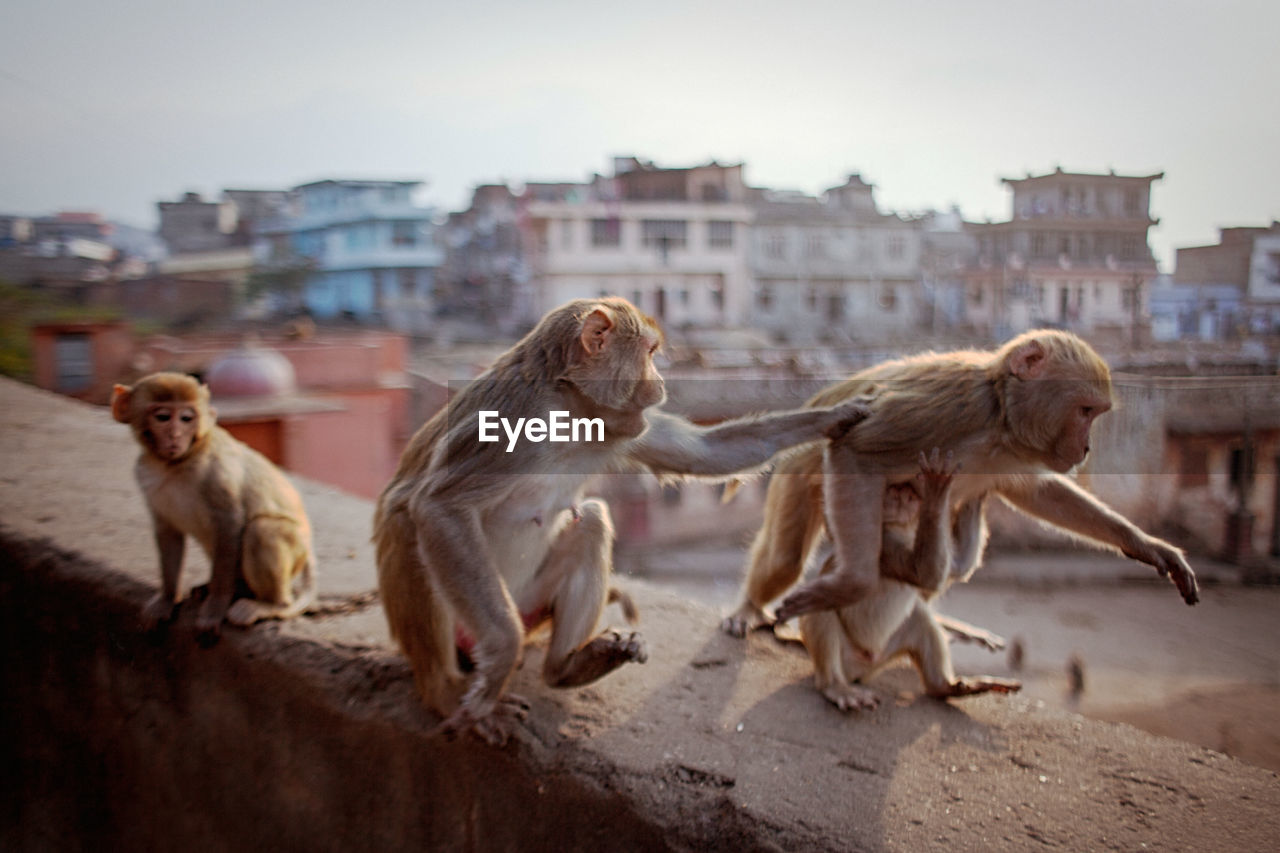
(1060, 501)
(673, 445)
(171, 545)
(460, 568)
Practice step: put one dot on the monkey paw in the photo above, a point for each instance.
(156, 612)
(631, 647)
(850, 697)
(827, 593)
(746, 618)
(977, 685)
(491, 722)
(847, 416)
(936, 471)
(989, 641)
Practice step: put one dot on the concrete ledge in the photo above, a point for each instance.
(308, 734)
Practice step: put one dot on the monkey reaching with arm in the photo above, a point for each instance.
(201, 482)
(1017, 420)
(850, 643)
(471, 536)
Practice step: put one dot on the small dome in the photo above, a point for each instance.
(251, 372)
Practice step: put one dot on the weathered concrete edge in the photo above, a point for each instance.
(149, 742)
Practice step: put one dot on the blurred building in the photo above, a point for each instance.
(210, 255)
(69, 256)
(673, 241)
(1074, 255)
(369, 252)
(1224, 291)
(834, 269)
(483, 277)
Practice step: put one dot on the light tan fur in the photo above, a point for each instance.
(1017, 419)
(199, 481)
(850, 643)
(471, 537)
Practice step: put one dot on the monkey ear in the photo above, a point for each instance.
(595, 331)
(121, 397)
(1028, 360)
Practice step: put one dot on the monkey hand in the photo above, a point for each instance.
(936, 473)
(847, 415)
(157, 611)
(492, 720)
(1170, 563)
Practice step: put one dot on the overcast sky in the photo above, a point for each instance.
(115, 106)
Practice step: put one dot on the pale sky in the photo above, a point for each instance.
(114, 106)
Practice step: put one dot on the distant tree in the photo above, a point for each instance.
(23, 307)
(286, 280)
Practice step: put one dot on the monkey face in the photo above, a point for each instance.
(1072, 446)
(171, 430)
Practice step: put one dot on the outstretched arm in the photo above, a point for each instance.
(673, 445)
(1060, 501)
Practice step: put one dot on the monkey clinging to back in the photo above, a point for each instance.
(201, 482)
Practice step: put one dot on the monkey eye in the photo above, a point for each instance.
(1088, 411)
(163, 417)
(188, 417)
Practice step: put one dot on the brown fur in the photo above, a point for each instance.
(198, 481)
(471, 537)
(1016, 419)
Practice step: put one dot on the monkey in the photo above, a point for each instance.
(201, 482)
(852, 642)
(1017, 420)
(470, 536)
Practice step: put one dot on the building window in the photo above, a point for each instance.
(717, 297)
(1193, 467)
(764, 300)
(1131, 202)
(606, 233)
(720, 234)
(73, 354)
(664, 234)
(835, 307)
(775, 245)
(1129, 247)
(566, 233)
(404, 234)
(896, 247)
(815, 245)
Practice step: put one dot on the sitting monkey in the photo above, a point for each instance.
(852, 642)
(201, 482)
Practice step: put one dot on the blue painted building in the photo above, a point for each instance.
(372, 248)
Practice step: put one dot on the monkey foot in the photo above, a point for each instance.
(828, 592)
(157, 612)
(850, 697)
(977, 685)
(746, 618)
(493, 725)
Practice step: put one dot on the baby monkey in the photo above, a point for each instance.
(201, 482)
(852, 642)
